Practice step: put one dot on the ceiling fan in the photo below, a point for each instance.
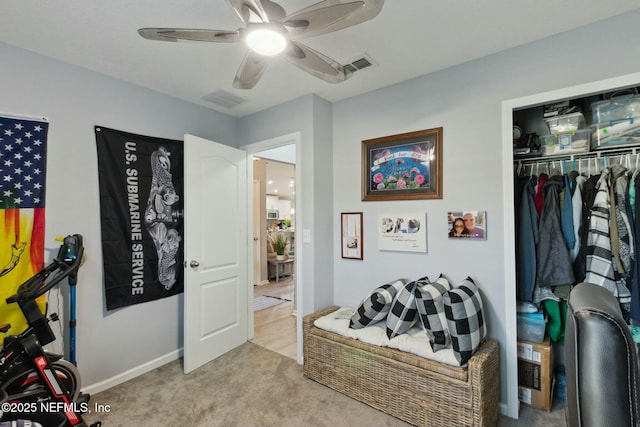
(269, 31)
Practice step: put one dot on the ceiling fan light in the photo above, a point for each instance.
(266, 41)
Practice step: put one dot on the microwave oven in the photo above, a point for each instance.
(273, 214)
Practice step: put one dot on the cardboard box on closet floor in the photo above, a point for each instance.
(535, 373)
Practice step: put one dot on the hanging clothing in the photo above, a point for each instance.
(576, 201)
(625, 245)
(528, 241)
(556, 319)
(599, 268)
(587, 224)
(620, 224)
(566, 215)
(539, 196)
(520, 182)
(614, 174)
(553, 258)
(635, 280)
(588, 198)
(632, 193)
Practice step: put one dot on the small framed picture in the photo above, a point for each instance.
(351, 235)
(467, 225)
(404, 232)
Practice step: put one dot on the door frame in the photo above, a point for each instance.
(251, 149)
(508, 106)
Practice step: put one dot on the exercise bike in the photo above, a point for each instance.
(41, 386)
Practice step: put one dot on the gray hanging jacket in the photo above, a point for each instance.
(554, 258)
(527, 242)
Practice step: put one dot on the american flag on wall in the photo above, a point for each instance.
(23, 148)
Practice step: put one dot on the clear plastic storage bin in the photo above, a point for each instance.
(616, 122)
(565, 123)
(577, 141)
(619, 109)
(619, 134)
(531, 326)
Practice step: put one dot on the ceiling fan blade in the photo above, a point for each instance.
(249, 10)
(315, 63)
(250, 71)
(330, 15)
(189, 35)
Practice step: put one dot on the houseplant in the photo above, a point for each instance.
(280, 245)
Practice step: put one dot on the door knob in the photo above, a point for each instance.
(194, 264)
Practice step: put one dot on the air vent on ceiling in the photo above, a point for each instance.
(350, 68)
(358, 64)
(224, 98)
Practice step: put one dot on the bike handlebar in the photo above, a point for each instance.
(53, 273)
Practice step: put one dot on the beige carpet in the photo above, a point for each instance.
(249, 387)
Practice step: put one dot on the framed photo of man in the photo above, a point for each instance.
(467, 225)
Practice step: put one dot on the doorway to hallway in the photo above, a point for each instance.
(275, 282)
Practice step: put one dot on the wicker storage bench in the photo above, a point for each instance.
(412, 388)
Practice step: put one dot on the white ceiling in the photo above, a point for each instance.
(407, 39)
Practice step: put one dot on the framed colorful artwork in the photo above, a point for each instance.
(407, 166)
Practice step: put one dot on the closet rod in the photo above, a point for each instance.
(577, 156)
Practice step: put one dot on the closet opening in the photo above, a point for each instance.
(563, 148)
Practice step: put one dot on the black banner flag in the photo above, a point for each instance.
(141, 211)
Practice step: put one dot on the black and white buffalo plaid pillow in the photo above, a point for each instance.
(463, 308)
(376, 305)
(404, 312)
(430, 302)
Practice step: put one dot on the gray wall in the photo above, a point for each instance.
(74, 100)
(466, 101)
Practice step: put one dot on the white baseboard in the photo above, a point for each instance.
(132, 373)
(504, 410)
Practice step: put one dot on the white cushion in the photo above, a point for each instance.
(414, 341)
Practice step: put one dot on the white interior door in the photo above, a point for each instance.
(216, 218)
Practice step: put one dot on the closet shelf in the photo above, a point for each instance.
(597, 154)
